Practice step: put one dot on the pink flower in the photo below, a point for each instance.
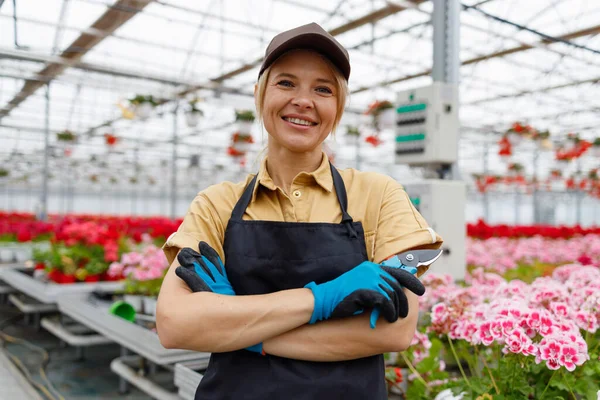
(586, 321)
(115, 269)
(569, 357)
(549, 352)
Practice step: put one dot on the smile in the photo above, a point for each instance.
(298, 121)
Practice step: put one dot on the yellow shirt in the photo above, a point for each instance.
(390, 221)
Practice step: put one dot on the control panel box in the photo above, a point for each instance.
(442, 204)
(427, 125)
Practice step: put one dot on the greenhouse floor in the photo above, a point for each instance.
(72, 378)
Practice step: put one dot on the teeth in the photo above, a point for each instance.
(299, 121)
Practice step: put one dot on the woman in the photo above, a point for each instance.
(302, 245)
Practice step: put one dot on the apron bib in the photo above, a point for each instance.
(265, 257)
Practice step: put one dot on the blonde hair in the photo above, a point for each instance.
(341, 92)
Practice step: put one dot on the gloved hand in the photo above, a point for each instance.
(205, 272)
(367, 285)
(393, 263)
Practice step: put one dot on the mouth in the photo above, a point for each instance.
(301, 122)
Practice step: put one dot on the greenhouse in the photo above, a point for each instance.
(150, 150)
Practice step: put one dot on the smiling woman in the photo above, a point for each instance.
(287, 286)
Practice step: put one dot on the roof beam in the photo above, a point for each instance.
(573, 35)
(112, 19)
(374, 16)
(533, 91)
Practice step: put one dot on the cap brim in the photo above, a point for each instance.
(312, 41)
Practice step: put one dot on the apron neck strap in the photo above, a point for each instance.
(338, 184)
(340, 190)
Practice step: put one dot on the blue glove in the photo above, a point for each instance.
(205, 272)
(367, 285)
(393, 262)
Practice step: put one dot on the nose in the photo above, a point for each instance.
(303, 101)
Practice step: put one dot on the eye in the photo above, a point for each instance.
(324, 89)
(285, 83)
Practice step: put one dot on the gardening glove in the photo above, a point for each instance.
(367, 285)
(408, 261)
(205, 272)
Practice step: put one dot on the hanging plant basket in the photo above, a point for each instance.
(242, 142)
(192, 118)
(383, 114)
(66, 136)
(143, 105)
(244, 120)
(352, 134)
(595, 148)
(193, 113)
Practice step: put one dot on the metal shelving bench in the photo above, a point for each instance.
(187, 378)
(92, 311)
(39, 297)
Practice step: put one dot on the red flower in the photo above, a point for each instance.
(110, 140)
(373, 140)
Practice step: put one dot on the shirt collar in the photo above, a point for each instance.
(322, 176)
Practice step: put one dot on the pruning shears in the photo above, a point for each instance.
(409, 261)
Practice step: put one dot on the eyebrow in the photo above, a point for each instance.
(287, 75)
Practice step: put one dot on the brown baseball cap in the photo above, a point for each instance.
(310, 36)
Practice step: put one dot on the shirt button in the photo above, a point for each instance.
(297, 194)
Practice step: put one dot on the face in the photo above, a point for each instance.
(300, 102)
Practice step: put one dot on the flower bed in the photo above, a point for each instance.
(491, 338)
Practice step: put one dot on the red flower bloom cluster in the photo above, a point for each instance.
(481, 230)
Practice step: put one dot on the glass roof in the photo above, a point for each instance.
(171, 47)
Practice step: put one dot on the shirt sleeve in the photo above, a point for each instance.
(400, 227)
(201, 223)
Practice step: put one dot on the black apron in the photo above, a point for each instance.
(265, 257)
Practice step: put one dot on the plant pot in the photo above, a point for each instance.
(144, 110)
(6, 255)
(242, 147)
(514, 139)
(387, 119)
(135, 300)
(192, 119)
(569, 145)
(150, 305)
(352, 139)
(545, 144)
(244, 127)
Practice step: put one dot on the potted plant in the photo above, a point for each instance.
(143, 105)
(516, 169)
(542, 139)
(572, 141)
(193, 113)
(66, 136)
(519, 131)
(245, 120)
(596, 147)
(383, 114)
(352, 134)
(242, 142)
